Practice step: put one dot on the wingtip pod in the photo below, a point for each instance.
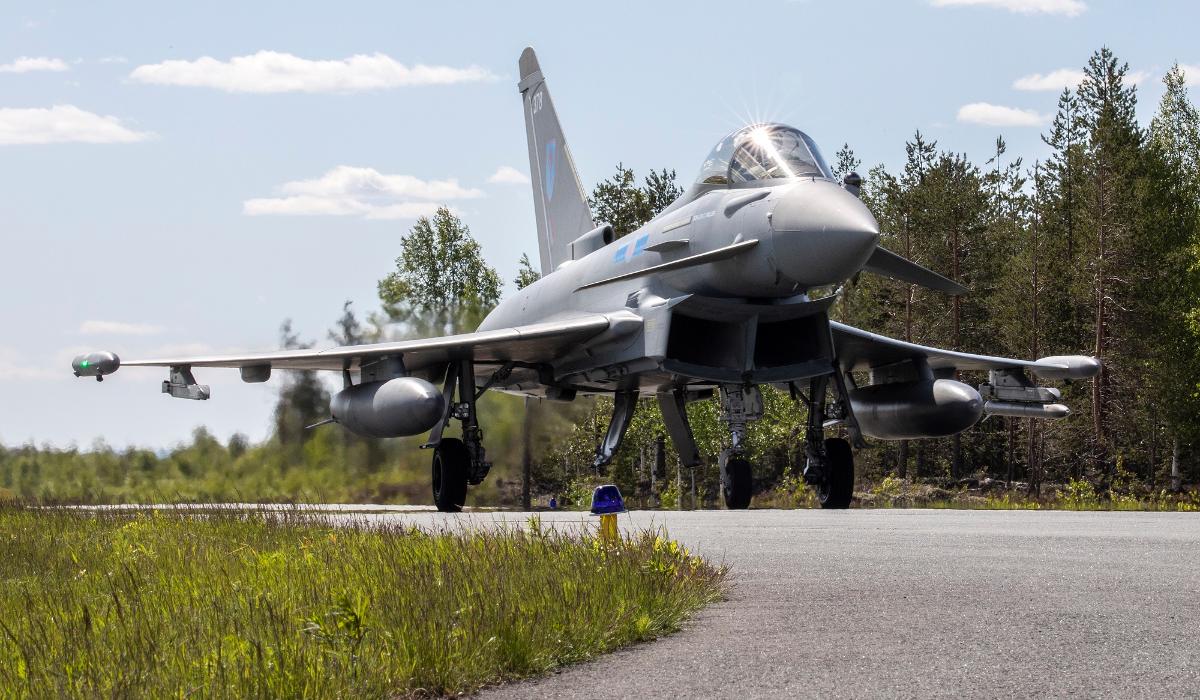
(95, 364)
(1067, 367)
(1019, 409)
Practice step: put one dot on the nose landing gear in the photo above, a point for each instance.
(739, 406)
(737, 483)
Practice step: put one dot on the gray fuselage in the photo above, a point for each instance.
(810, 233)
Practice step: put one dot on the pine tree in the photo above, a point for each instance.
(1168, 286)
(526, 275)
(660, 189)
(845, 162)
(620, 202)
(1111, 196)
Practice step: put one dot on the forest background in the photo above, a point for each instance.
(1094, 250)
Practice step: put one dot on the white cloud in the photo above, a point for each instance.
(329, 206)
(114, 59)
(366, 192)
(62, 124)
(349, 180)
(26, 64)
(118, 328)
(1137, 77)
(1070, 8)
(996, 115)
(188, 350)
(271, 71)
(13, 368)
(508, 175)
(1191, 74)
(1055, 80)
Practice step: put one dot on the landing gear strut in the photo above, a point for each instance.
(829, 463)
(624, 404)
(739, 406)
(457, 463)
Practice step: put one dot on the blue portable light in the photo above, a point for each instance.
(607, 500)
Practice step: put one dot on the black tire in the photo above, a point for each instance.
(738, 484)
(450, 463)
(838, 488)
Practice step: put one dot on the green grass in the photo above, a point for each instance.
(287, 605)
(892, 492)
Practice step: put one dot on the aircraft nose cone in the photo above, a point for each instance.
(823, 234)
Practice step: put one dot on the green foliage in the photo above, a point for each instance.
(890, 487)
(1008, 501)
(303, 399)
(288, 604)
(669, 496)
(772, 443)
(441, 279)
(526, 275)
(1095, 249)
(1079, 494)
(1100, 244)
(845, 162)
(332, 465)
(622, 203)
(790, 492)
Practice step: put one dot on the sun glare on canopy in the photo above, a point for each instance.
(763, 152)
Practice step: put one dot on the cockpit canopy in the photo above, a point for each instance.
(763, 152)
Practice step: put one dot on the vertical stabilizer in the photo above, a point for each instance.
(558, 198)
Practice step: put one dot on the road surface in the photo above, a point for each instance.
(914, 603)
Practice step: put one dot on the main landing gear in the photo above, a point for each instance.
(458, 463)
(829, 464)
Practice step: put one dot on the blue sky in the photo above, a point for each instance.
(184, 177)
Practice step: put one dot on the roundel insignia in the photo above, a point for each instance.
(551, 159)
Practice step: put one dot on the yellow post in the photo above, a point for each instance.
(608, 528)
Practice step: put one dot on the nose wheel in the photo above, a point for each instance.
(737, 483)
(740, 405)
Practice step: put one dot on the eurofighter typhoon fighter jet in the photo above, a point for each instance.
(719, 293)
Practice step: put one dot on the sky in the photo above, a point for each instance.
(181, 178)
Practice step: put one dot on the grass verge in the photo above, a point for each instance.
(290, 605)
(988, 494)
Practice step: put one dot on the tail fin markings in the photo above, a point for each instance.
(558, 197)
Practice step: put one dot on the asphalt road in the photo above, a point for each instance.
(916, 603)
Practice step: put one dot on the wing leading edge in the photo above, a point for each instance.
(861, 350)
(534, 343)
